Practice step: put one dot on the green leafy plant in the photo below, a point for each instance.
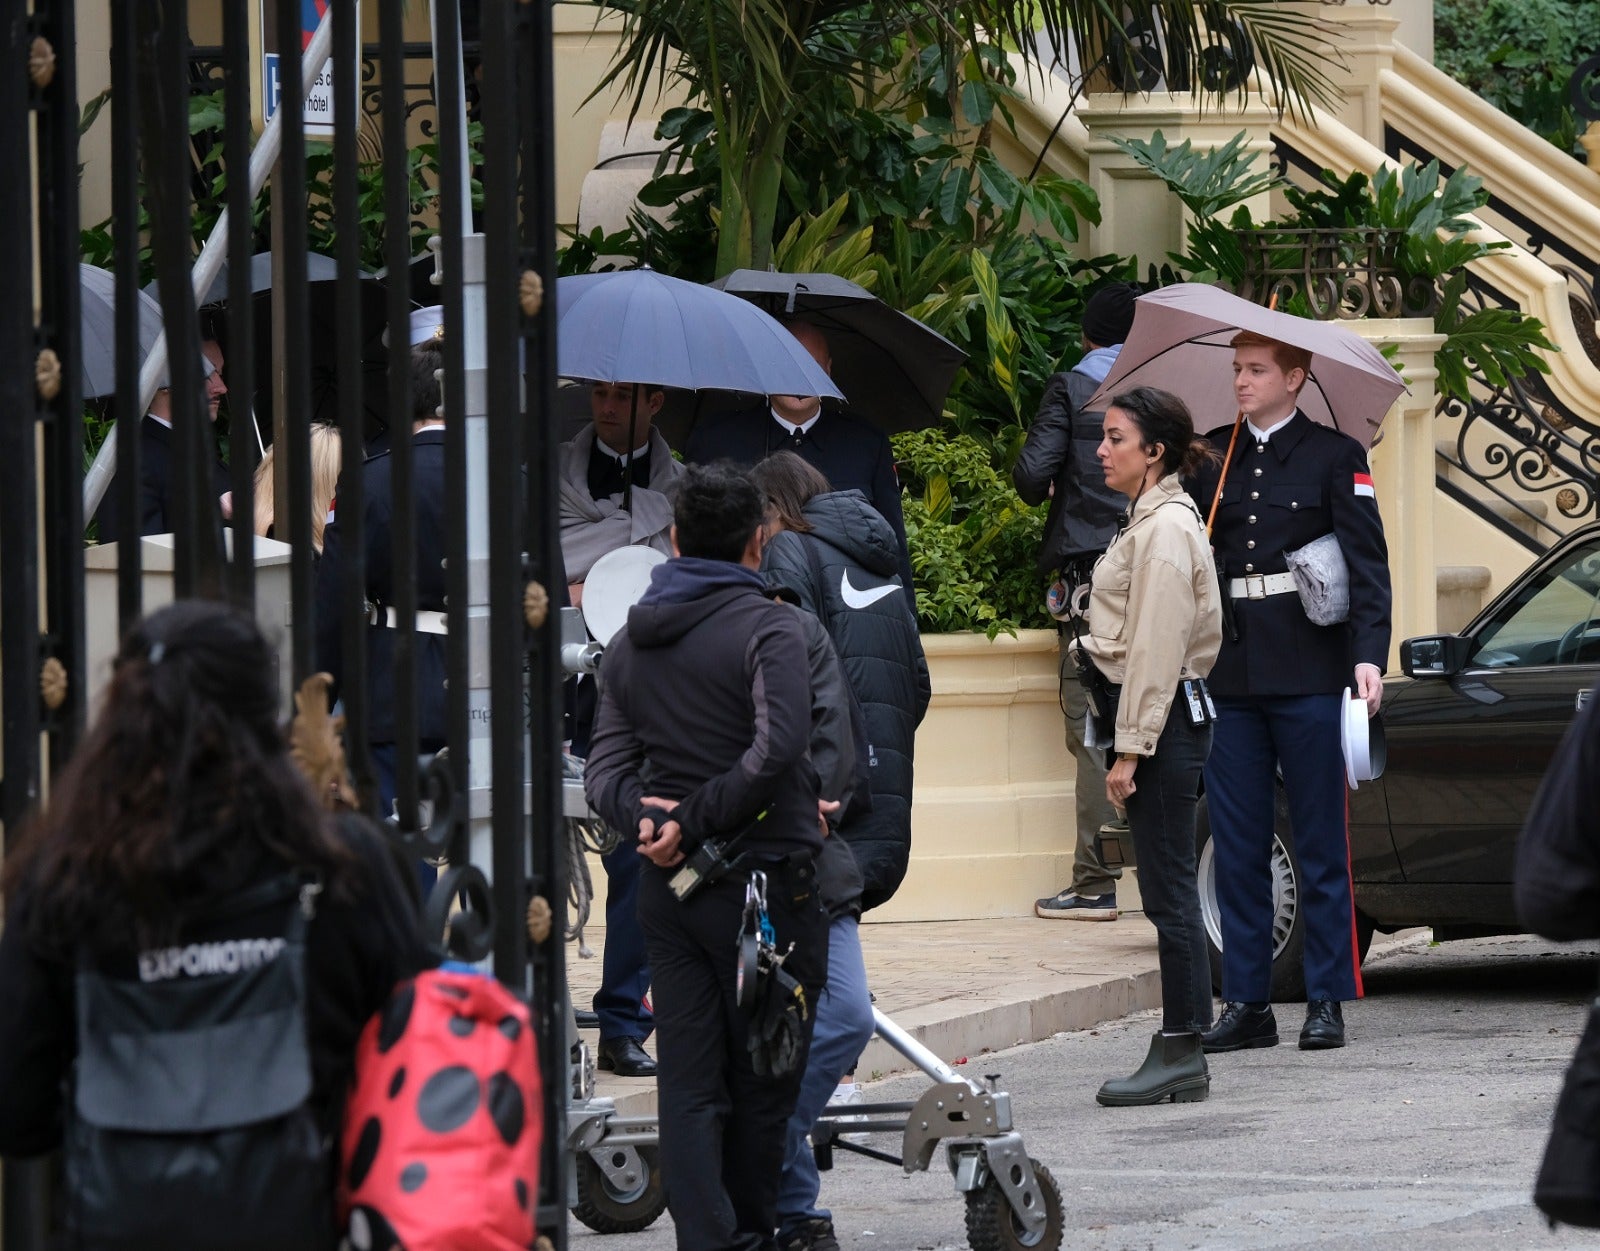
(1425, 239)
(1519, 56)
(972, 539)
(757, 71)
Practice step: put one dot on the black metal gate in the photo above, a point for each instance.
(494, 796)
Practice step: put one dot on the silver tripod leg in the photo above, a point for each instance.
(914, 1051)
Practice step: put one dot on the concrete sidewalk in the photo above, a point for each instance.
(963, 988)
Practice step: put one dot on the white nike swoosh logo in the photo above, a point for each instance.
(862, 599)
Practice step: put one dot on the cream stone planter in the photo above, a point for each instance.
(993, 819)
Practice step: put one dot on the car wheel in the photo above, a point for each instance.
(1288, 920)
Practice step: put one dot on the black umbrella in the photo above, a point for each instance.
(325, 341)
(319, 268)
(893, 370)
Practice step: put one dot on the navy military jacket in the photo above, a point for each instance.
(847, 451)
(427, 465)
(1308, 480)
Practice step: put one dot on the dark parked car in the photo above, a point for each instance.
(1471, 729)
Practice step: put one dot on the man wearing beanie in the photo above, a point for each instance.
(1058, 463)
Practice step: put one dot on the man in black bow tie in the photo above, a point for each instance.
(617, 482)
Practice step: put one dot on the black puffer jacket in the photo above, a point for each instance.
(846, 571)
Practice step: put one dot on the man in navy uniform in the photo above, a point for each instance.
(848, 452)
(428, 501)
(1278, 686)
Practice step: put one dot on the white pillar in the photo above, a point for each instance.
(1403, 473)
(1139, 216)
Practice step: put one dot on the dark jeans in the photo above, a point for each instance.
(1161, 816)
(722, 1126)
(625, 970)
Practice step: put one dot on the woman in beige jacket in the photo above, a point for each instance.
(1155, 624)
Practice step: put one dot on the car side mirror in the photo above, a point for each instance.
(1434, 655)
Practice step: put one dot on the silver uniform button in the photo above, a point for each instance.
(1252, 519)
(1293, 504)
(1250, 543)
(1255, 495)
(1260, 447)
(1258, 472)
(1250, 568)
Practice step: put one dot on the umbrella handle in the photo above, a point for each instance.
(1211, 515)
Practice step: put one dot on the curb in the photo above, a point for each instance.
(960, 1032)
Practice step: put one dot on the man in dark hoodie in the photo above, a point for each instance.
(708, 694)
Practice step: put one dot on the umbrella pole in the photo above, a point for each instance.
(1233, 439)
(633, 434)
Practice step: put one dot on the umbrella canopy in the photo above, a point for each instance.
(641, 326)
(97, 301)
(319, 268)
(322, 274)
(895, 370)
(1180, 343)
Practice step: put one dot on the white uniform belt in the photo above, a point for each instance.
(1258, 585)
(427, 622)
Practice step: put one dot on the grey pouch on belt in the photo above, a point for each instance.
(1323, 580)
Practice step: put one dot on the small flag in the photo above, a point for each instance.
(333, 507)
(1364, 485)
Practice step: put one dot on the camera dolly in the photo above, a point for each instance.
(1011, 1199)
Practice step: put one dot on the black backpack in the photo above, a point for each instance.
(189, 1125)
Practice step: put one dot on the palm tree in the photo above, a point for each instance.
(751, 62)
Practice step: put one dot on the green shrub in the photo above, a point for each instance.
(972, 539)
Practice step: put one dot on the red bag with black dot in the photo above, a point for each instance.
(440, 1148)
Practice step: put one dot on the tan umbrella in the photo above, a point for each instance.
(1180, 343)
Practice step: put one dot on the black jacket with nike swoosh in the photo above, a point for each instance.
(846, 571)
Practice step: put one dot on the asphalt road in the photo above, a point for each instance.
(1423, 1134)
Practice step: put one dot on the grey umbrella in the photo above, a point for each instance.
(97, 301)
(894, 370)
(644, 327)
(1180, 342)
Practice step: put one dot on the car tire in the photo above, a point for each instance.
(1288, 925)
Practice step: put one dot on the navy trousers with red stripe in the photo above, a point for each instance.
(1253, 737)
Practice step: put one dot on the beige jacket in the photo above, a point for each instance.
(1155, 614)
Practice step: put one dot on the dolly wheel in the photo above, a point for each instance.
(993, 1226)
(607, 1210)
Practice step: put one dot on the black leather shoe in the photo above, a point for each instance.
(1324, 1027)
(1242, 1026)
(586, 1018)
(625, 1057)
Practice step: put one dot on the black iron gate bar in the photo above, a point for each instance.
(351, 381)
(243, 453)
(511, 385)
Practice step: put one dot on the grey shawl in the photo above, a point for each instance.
(590, 528)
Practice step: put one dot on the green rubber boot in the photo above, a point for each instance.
(1175, 1069)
